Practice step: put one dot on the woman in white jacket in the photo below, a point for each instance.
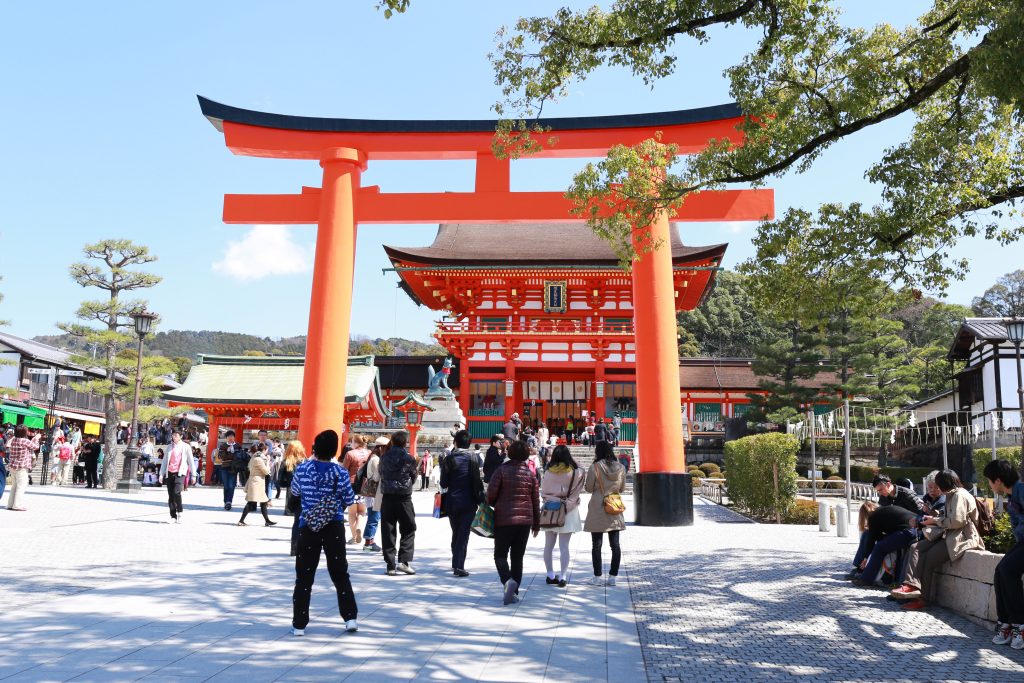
(561, 485)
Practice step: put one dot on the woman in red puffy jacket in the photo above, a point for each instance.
(514, 493)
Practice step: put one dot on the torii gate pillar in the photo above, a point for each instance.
(330, 307)
(664, 493)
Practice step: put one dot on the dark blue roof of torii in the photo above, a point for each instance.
(217, 113)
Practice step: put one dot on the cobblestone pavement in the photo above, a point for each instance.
(98, 587)
(728, 600)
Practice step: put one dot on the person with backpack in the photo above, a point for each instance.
(607, 480)
(1004, 481)
(560, 496)
(353, 462)
(325, 489)
(397, 515)
(947, 538)
(461, 478)
(368, 482)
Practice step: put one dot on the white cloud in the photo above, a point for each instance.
(264, 251)
(736, 227)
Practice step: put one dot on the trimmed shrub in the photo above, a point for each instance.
(805, 512)
(983, 455)
(709, 468)
(835, 482)
(862, 473)
(753, 462)
(1002, 538)
(696, 481)
(827, 472)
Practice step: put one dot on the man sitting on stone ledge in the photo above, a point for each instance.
(1003, 480)
(888, 494)
(947, 538)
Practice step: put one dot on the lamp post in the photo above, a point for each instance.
(129, 482)
(413, 406)
(1015, 333)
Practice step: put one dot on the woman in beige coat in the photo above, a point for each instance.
(946, 539)
(256, 486)
(561, 485)
(605, 477)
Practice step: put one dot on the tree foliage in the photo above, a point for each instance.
(762, 473)
(729, 324)
(808, 82)
(1004, 299)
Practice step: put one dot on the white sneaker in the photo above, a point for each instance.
(1017, 642)
(598, 581)
(169, 521)
(1004, 634)
(351, 626)
(611, 580)
(298, 631)
(177, 520)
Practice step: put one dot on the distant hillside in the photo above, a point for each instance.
(186, 344)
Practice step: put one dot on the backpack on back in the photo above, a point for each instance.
(985, 524)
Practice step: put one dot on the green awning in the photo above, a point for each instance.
(31, 415)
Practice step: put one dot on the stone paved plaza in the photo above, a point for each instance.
(97, 587)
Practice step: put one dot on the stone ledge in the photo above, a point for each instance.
(966, 586)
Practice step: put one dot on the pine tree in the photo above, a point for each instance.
(786, 368)
(114, 276)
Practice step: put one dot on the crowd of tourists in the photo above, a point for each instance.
(340, 499)
(74, 458)
(585, 431)
(905, 538)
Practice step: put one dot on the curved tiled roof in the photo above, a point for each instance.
(542, 244)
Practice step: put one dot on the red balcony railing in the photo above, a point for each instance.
(551, 326)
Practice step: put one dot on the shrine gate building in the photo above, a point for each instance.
(540, 319)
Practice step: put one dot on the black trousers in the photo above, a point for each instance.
(510, 540)
(174, 483)
(460, 521)
(251, 507)
(1009, 589)
(397, 510)
(91, 480)
(595, 552)
(330, 539)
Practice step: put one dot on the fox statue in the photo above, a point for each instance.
(437, 382)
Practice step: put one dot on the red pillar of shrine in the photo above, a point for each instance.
(464, 395)
(663, 492)
(323, 379)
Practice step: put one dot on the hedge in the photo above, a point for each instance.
(752, 463)
(862, 473)
(983, 455)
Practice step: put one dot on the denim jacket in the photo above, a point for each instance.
(1015, 506)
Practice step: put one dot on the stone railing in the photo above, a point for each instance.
(965, 586)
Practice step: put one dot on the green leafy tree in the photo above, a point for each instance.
(1004, 299)
(787, 368)
(807, 83)
(182, 367)
(929, 327)
(110, 269)
(727, 324)
(883, 372)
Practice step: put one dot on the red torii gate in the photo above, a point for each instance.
(344, 146)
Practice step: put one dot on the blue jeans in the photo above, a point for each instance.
(862, 550)
(897, 540)
(230, 481)
(372, 520)
(3, 478)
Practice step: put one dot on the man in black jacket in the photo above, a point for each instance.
(397, 475)
(460, 475)
(493, 458)
(891, 494)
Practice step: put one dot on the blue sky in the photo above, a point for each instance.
(102, 137)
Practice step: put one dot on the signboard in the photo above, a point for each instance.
(554, 296)
(71, 373)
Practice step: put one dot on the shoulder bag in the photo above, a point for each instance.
(613, 504)
(552, 513)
